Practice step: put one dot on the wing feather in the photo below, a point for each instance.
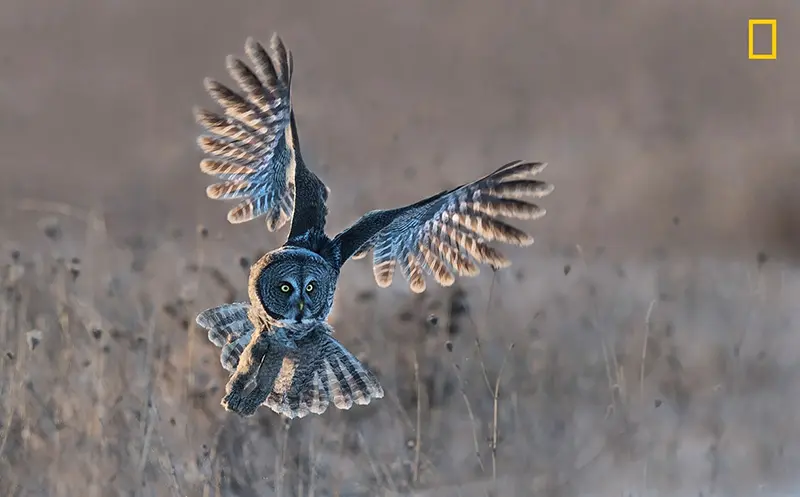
(250, 144)
(437, 262)
(449, 233)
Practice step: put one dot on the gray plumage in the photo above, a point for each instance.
(254, 149)
(293, 369)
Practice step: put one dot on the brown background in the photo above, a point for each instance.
(675, 162)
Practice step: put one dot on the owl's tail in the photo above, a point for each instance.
(305, 378)
(228, 328)
(337, 377)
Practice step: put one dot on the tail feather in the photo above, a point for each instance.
(226, 322)
(228, 328)
(295, 371)
(301, 377)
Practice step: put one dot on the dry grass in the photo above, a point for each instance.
(668, 375)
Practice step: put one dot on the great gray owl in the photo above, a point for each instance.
(254, 148)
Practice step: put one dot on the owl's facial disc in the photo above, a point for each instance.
(294, 286)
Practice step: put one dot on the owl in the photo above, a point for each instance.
(252, 146)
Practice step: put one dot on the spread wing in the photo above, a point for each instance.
(253, 147)
(448, 234)
(293, 372)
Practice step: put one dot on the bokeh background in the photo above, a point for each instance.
(645, 345)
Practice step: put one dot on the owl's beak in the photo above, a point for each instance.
(301, 305)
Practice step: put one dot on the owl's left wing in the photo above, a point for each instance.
(298, 376)
(253, 146)
(448, 233)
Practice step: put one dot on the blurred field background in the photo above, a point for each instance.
(646, 344)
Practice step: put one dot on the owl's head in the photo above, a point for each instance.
(292, 285)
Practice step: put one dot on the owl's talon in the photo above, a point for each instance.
(234, 402)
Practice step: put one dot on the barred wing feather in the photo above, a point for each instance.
(448, 234)
(250, 146)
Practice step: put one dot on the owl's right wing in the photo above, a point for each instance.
(253, 145)
(304, 378)
(448, 233)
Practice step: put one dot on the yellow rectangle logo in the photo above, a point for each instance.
(752, 23)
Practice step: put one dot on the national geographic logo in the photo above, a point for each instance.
(759, 31)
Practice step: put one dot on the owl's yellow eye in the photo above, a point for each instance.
(310, 287)
(285, 288)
